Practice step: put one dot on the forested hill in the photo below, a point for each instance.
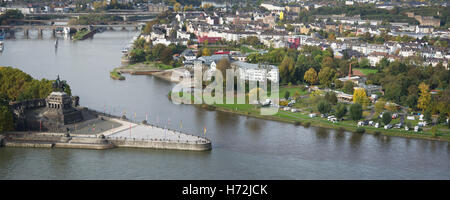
(16, 85)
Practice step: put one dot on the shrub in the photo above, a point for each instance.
(360, 130)
(356, 111)
(307, 124)
(387, 118)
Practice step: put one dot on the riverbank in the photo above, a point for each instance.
(143, 68)
(306, 121)
(83, 34)
(302, 117)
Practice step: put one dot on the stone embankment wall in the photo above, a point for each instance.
(161, 145)
(1, 140)
(59, 141)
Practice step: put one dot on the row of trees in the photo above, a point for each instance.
(90, 19)
(410, 85)
(10, 15)
(16, 85)
(144, 51)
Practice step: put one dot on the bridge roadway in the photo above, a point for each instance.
(40, 28)
(140, 13)
(54, 27)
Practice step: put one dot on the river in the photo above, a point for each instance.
(243, 147)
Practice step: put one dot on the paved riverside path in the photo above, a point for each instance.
(149, 132)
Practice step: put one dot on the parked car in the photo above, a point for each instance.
(416, 128)
(389, 126)
(312, 115)
(422, 124)
(362, 123)
(377, 125)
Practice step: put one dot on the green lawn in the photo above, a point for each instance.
(292, 90)
(367, 71)
(245, 49)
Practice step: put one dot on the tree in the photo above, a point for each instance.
(348, 87)
(331, 97)
(10, 14)
(427, 116)
(222, 66)
(365, 63)
(177, 7)
(379, 105)
(341, 110)
(360, 97)
(356, 111)
(311, 76)
(206, 52)
(425, 97)
(139, 43)
(387, 118)
(326, 76)
(327, 62)
(324, 107)
(287, 69)
(287, 94)
(166, 55)
(6, 119)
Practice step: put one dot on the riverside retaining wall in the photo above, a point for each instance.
(161, 145)
(49, 141)
(1, 140)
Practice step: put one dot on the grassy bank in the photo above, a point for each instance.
(80, 35)
(302, 118)
(115, 75)
(305, 120)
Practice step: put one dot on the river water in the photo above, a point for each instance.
(243, 148)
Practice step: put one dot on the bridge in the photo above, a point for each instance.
(120, 13)
(26, 28)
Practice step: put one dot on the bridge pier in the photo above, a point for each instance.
(12, 33)
(53, 33)
(26, 32)
(40, 33)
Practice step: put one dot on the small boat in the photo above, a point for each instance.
(66, 30)
(59, 30)
(125, 50)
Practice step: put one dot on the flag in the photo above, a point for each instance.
(146, 117)
(181, 123)
(134, 114)
(204, 130)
